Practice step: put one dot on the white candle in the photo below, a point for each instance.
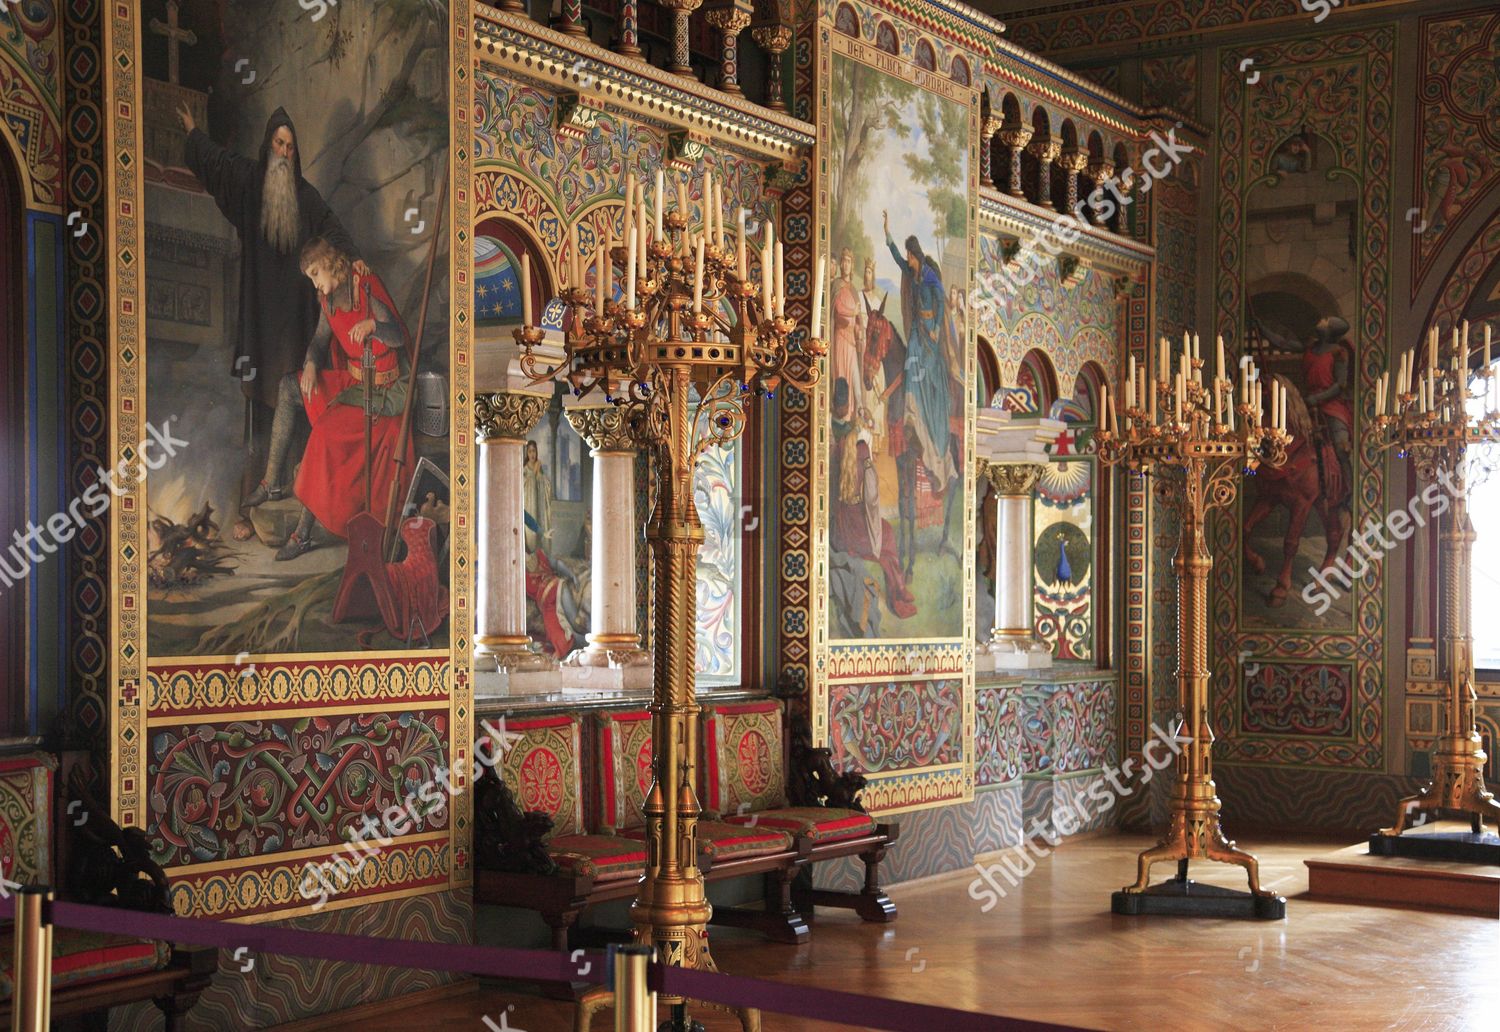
(1487, 328)
(599, 260)
(1283, 408)
(817, 312)
(660, 186)
(630, 246)
(1177, 397)
(708, 204)
(526, 287)
(1162, 369)
(1219, 368)
(609, 263)
(719, 213)
(1151, 402)
(766, 259)
(780, 281)
(739, 244)
(682, 197)
(629, 192)
(698, 280)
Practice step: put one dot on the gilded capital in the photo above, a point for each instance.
(728, 20)
(1072, 161)
(603, 428)
(1045, 149)
(772, 38)
(503, 414)
(1014, 478)
(1016, 136)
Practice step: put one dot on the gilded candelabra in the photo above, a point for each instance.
(1441, 418)
(687, 345)
(1195, 440)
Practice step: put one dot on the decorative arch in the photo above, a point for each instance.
(960, 73)
(846, 20)
(885, 38)
(924, 56)
(499, 243)
(1090, 383)
(988, 382)
(1036, 381)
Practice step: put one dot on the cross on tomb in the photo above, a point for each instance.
(176, 37)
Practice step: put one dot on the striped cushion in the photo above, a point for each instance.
(720, 840)
(606, 857)
(81, 957)
(818, 823)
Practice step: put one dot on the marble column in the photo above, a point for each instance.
(614, 640)
(1100, 170)
(730, 21)
(773, 39)
(1073, 163)
(502, 420)
(987, 130)
(1045, 149)
(1013, 484)
(1016, 137)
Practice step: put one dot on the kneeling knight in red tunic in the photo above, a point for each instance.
(360, 336)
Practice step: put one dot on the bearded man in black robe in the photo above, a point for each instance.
(275, 212)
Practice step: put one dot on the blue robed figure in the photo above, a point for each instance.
(924, 308)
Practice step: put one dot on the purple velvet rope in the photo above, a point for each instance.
(537, 965)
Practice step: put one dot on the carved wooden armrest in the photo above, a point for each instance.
(109, 865)
(506, 838)
(814, 780)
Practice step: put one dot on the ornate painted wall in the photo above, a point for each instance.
(898, 115)
(254, 727)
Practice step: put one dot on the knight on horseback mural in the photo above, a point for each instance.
(1317, 477)
(1325, 385)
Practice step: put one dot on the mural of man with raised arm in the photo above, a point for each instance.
(274, 212)
(928, 399)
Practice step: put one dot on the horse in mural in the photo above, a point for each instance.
(1310, 481)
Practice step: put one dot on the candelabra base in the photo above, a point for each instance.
(1465, 847)
(1182, 897)
(602, 996)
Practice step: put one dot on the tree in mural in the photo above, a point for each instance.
(867, 104)
(945, 136)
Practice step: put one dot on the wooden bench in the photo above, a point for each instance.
(532, 849)
(105, 866)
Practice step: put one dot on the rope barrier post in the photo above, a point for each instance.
(635, 1002)
(32, 995)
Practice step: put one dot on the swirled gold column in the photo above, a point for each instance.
(501, 423)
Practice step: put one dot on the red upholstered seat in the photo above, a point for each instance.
(818, 824)
(721, 840)
(606, 857)
(80, 957)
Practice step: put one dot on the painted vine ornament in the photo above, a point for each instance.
(687, 341)
(1195, 440)
(1446, 419)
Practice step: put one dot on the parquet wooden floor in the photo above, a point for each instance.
(1052, 951)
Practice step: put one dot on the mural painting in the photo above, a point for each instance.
(899, 246)
(297, 328)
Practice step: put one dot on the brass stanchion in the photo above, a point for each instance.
(635, 1002)
(32, 1004)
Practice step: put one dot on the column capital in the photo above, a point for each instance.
(732, 20)
(1013, 478)
(507, 414)
(1045, 149)
(604, 429)
(1072, 160)
(1015, 136)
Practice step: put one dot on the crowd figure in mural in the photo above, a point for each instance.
(557, 586)
(898, 405)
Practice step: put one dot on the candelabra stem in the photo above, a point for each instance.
(671, 909)
(1458, 761)
(1194, 832)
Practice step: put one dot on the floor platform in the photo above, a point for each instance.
(1353, 875)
